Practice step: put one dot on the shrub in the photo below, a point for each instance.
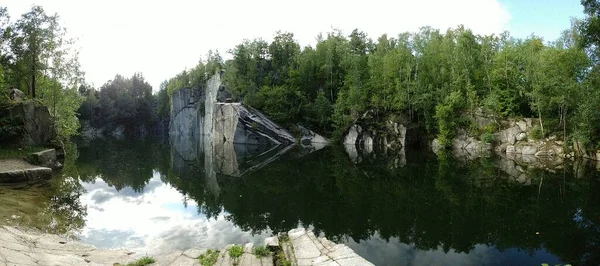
(260, 251)
(143, 261)
(235, 252)
(487, 137)
(536, 133)
(209, 258)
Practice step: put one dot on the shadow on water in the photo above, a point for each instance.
(413, 209)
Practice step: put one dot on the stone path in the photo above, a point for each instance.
(18, 247)
(304, 249)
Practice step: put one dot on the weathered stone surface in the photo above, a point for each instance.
(19, 171)
(510, 149)
(508, 135)
(306, 249)
(522, 125)
(521, 136)
(309, 137)
(529, 150)
(352, 135)
(16, 95)
(37, 123)
(46, 158)
(272, 242)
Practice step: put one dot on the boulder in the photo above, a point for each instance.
(508, 135)
(510, 149)
(37, 123)
(309, 137)
(46, 158)
(352, 135)
(528, 150)
(544, 153)
(521, 136)
(522, 125)
(16, 95)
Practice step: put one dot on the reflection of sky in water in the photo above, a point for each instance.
(394, 252)
(158, 221)
(154, 221)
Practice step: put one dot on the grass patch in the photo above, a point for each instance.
(235, 252)
(209, 258)
(281, 260)
(142, 262)
(260, 251)
(18, 153)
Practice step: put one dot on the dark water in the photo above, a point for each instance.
(392, 210)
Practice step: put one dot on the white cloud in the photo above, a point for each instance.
(155, 221)
(161, 38)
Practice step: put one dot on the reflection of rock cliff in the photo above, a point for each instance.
(231, 138)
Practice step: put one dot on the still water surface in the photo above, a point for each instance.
(417, 210)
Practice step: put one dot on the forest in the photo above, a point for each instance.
(439, 79)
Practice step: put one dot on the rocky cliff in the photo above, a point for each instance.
(204, 126)
(33, 120)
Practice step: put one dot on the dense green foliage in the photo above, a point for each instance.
(193, 78)
(121, 102)
(36, 57)
(430, 75)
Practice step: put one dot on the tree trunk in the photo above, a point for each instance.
(541, 124)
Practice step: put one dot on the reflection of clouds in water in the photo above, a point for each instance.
(394, 252)
(154, 221)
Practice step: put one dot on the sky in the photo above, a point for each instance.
(162, 38)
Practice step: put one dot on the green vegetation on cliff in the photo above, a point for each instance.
(36, 57)
(440, 79)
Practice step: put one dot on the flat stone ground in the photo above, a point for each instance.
(14, 164)
(304, 249)
(27, 248)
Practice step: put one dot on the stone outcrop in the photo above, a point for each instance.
(366, 134)
(36, 123)
(465, 146)
(206, 126)
(19, 171)
(46, 158)
(306, 249)
(517, 139)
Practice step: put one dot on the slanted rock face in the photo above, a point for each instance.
(205, 121)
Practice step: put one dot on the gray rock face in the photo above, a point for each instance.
(352, 135)
(46, 158)
(529, 150)
(16, 95)
(37, 123)
(231, 138)
(508, 135)
(521, 136)
(19, 171)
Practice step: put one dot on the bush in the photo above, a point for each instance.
(209, 258)
(260, 251)
(536, 133)
(487, 137)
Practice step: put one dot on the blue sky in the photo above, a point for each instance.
(545, 18)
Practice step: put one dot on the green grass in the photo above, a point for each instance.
(142, 262)
(209, 258)
(18, 153)
(236, 251)
(260, 251)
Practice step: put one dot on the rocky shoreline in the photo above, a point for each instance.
(300, 246)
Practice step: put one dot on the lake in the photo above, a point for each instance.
(392, 209)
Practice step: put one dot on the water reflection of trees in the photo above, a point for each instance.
(428, 202)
